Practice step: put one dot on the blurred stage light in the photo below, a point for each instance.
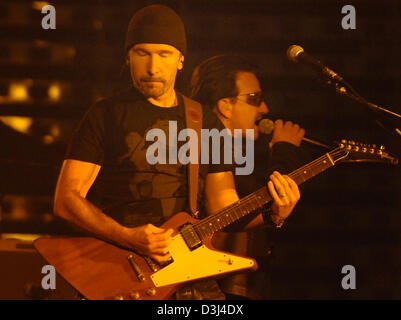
(54, 92)
(55, 130)
(21, 124)
(98, 24)
(53, 135)
(18, 92)
(48, 139)
(38, 5)
(41, 43)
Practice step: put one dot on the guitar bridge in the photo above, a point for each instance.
(150, 263)
(190, 236)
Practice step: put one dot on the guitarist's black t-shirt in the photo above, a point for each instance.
(129, 188)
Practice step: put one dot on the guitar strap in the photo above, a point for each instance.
(193, 117)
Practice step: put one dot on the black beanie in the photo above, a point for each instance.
(156, 24)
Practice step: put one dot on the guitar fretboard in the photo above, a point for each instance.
(211, 224)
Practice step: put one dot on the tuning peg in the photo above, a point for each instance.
(382, 147)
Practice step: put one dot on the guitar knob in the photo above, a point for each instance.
(151, 291)
(349, 147)
(356, 148)
(134, 295)
(372, 151)
(118, 297)
(352, 142)
(382, 148)
(364, 149)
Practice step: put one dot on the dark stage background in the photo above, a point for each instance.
(350, 215)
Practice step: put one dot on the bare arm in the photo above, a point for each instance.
(220, 192)
(70, 203)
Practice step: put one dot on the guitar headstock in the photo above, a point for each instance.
(351, 151)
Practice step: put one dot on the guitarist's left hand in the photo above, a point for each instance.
(150, 240)
(285, 195)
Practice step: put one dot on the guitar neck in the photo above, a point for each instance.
(211, 224)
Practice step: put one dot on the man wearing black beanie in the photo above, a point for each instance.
(107, 184)
(156, 36)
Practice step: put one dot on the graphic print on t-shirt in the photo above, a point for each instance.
(159, 181)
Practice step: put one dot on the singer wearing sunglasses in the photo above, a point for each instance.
(229, 85)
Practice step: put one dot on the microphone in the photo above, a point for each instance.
(266, 126)
(296, 53)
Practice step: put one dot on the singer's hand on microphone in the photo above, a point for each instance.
(287, 132)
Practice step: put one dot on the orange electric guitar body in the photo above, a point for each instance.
(100, 270)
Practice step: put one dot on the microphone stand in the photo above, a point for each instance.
(345, 89)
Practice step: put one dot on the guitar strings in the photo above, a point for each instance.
(255, 196)
(307, 167)
(252, 197)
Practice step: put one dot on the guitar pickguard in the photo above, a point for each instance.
(196, 264)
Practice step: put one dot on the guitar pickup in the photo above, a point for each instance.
(190, 236)
(136, 268)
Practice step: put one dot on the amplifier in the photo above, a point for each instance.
(21, 274)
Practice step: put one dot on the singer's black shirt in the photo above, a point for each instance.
(257, 243)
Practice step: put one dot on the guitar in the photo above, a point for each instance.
(100, 270)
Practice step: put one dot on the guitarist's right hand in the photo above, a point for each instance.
(151, 241)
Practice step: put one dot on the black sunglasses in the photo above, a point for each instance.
(254, 99)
